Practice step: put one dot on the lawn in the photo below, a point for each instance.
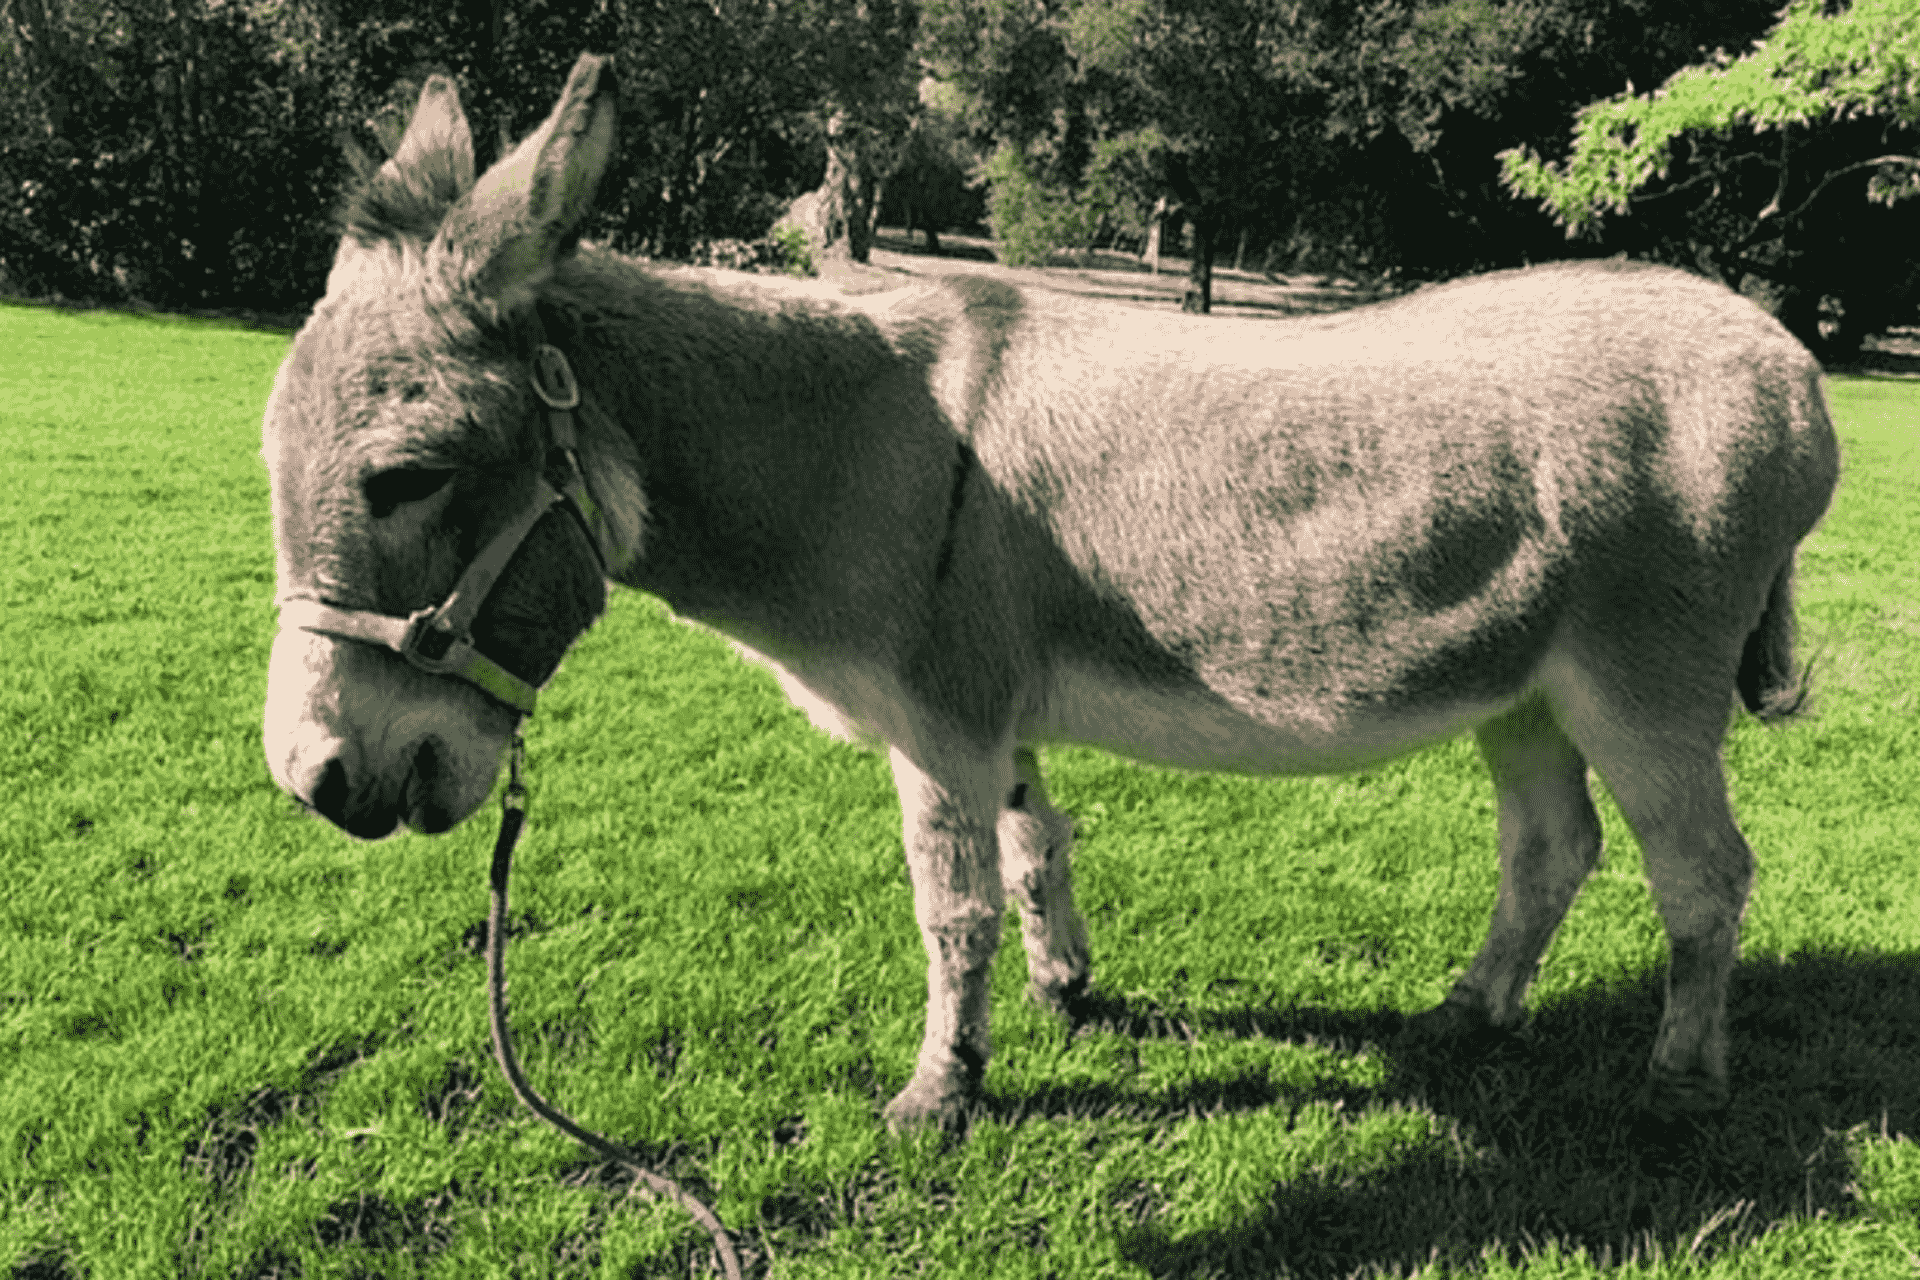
(238, 1044)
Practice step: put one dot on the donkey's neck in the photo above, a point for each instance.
(782, 442)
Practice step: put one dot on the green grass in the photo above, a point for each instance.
(236, 1043)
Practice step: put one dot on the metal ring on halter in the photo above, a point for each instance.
(553, 378)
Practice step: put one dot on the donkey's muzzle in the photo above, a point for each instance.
(366, 813)
(357, 736)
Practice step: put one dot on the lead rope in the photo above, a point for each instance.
(513, 816)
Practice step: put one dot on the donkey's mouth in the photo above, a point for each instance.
(429, 818)
(371, 826)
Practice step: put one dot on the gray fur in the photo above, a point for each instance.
(1556, 507)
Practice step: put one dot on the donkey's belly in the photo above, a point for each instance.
(1197, 728)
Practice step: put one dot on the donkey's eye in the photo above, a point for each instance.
(395, 488)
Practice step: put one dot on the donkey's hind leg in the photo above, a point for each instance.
(1665, 772)
(1034, 842)
(1549, 841)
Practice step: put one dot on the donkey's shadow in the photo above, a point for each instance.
(1541, 1137)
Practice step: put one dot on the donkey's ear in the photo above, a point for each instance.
(430, 169)
(525, 214)
(437, 149)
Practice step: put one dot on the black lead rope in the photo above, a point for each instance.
(513, 816)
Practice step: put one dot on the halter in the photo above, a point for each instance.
(436, 639)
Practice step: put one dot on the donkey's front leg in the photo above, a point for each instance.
(953, 861)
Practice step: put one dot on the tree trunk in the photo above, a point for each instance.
(1152, 251)
(840, 216)
(1199, 296)
(859, 211)
(485, 99)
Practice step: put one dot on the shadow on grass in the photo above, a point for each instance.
(1539, 1138)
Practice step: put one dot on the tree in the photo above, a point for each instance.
(931, 189)
(858, 55)
(190, 152)
(1233, 92)
(1751, 163)
(1267, 117)
(1424, 93)
(144, 154)
(1345, 136)
(1098, 103)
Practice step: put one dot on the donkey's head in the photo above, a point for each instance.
(403, 436)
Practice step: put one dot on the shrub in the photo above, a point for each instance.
(792, 252)
(1030, 220)
(784, 248)
(732, 255)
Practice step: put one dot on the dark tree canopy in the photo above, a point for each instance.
(193, 153)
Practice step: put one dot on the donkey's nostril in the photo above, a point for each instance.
(425, 814)
(330, 794)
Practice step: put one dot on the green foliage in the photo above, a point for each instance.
(161, 154)
(793, 254)
(1459, 56)
(1033, 219)
(1123, 183)
(1030, 219)
(1863, 61)
(1348, 136)
(1101, 35)
(1764, 147)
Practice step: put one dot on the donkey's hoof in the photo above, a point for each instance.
(1668, 1097)
(1451, 1024)
(934, 1106)
(1673, 1117)
(1069, 999)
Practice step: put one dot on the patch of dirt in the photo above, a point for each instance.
(1893, 354)
(1103, 275)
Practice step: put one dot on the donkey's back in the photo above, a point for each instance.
(1311, 544)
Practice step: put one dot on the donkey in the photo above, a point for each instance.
(1557, 507)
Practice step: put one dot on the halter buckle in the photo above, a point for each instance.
(553, 378)
(425, 645)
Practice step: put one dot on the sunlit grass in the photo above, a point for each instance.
(238, 1044)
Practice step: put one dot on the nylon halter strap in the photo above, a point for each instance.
(437, 639)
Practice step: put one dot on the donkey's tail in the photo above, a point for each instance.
(1769, 683)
